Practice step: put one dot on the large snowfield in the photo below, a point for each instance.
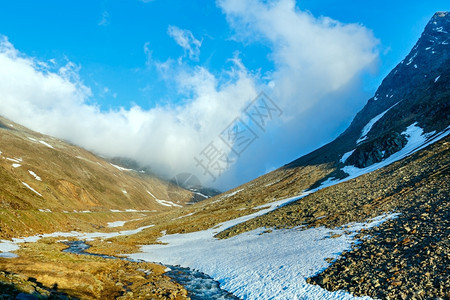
(258, 265)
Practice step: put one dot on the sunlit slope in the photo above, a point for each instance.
(45, 180)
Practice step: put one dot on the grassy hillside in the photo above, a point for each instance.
(49, 185)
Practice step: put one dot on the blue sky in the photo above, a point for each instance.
(138, 61)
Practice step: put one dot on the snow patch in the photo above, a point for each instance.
(440, 29)
(116, 224)
(201, 195)
(411, 59)
(437, 78)
(253, 266)
(184, 216)
(372, 122)
(46, 144)
(346, 155)
(33, 139)
(167, 203)
(164, 202)
(228, 195)
(120, 168)
(417, 140)
(25, 184)
(34, 175)
(16, 165)
(16, 160)
(8, 246)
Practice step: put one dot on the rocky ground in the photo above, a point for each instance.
(43, 271)
(405, 258)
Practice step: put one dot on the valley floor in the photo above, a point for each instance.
(383, 235)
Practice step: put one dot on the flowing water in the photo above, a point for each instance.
(199, 285)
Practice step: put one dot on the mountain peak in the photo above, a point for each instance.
(440, 14)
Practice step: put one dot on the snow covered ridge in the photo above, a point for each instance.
(417, 140)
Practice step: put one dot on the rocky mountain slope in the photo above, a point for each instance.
(415, 93)
(48, 185)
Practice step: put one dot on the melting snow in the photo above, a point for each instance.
(8, 246)
(125, 192)
(116, 224)
(120, 168)
(46, 144)
(16, 165)
(411, 59)
(440, 29)
(32, 139)
(369, 125)
(34, 175)
(184, 216)
(16, 160)
(346, 155)
(228, 195)
(201, 195)
(437, 78)
(164, 202)
(45, 210)
(167, 203)
(260, 266)
(25, 184)
(415, 66)
(417, 140)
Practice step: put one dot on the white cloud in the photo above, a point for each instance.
(313, 56)
(166, 138)
(315, 82)
(186, 40)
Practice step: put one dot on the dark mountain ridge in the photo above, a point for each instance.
(416, 90)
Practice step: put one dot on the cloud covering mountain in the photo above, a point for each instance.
(318, 64)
